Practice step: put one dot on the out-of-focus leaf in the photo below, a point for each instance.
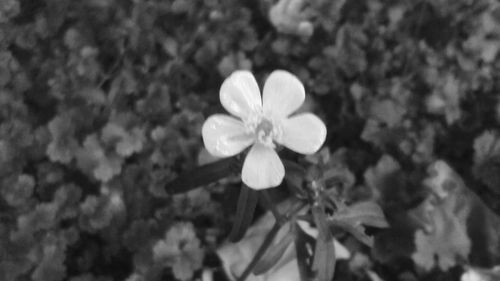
(376, 177)
(484, 43)
(41, 218)
(9, 9)
(289, 16)
(366, 213)
(18, 191)
(63, 146)
(375, 132)
(93, 95)
(94, 210)
(247, 201)
(126, 142)
(194, 203)
(93, 159)
(445, 238)
(233, 62)
(349, 50)
(67, 198)
(51, 266)
(446, 97)
(181, 250)
(443, 181)
(139, 233)
(486, 145)
(487, 160)
(388, 112)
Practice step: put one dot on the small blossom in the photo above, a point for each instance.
(262, 123)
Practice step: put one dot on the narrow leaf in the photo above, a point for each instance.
(324, 259)
(320, 220)
(261, 251)
(324, 252)
(247, 202)
(202, 175)
(304, 257)
(273, 255)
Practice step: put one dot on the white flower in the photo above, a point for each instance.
(262, 123)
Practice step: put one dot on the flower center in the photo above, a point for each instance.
(264, 132)
(265, 129)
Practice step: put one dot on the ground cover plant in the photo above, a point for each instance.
(109, 168)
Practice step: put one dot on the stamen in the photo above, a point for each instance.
(264, 132)
(264, 129)
(265, 126)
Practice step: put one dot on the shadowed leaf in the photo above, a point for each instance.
(302, 240)
(273, 254)
(324, 253)
(324, 260)
(202, 175)
(247, 202)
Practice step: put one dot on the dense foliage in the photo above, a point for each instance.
(102, 103)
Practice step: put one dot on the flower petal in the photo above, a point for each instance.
(304, 133)
(225, 136)
(283, 93)
(240, 94)
(262, 168)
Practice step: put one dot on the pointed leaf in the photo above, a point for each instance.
(302, 241)
(273, 255)
(320, 220)
(247, 201)
(202, 175)
(324, 259)
(324, 252)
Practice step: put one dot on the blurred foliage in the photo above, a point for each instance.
(102, 102)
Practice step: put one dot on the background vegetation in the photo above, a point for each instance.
(102, 102)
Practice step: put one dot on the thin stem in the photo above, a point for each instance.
(269, 238)
(261, 251)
